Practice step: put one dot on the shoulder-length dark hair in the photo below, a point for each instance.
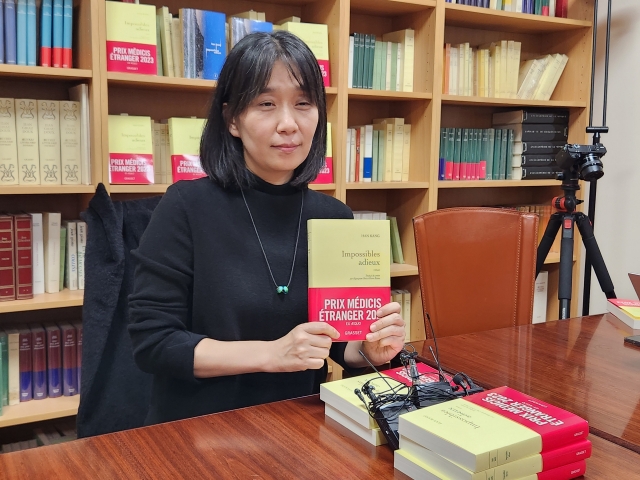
(245, 75)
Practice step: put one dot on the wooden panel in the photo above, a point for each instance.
(487, 197)
(65, 298)
(39, 410)
(69, 205)
(577, 364)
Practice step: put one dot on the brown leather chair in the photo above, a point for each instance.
(476, 267)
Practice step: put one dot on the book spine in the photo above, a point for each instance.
(71, 256)
(57, 32)
(537, 160)
(1, 31)
(27, 141)
(39, 364)
(69, 360)
(4, 354)
(565, 472)
(11, 52)
(46, 30)
(13, 339)
(7, 259)
(51, 227)
(540, 173)
(54, 363)
(215, 44)
(21, 31)
(49, 141)
(67, 33)
(37, 253)
(23, 256)
(78, 327)
(70, 143)
(569, 454)
(31, 33)
(26, 367)
(82, 244)
(538, 147)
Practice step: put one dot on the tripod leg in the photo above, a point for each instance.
(566, 265)
(594, 255)
(547, 240)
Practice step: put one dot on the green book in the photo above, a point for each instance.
(383, 65)
(362, 79)
(457, 155)
(503, 154)
(489, 152)
(396, 244)
(356, 60)
(464, 155)
(496, 154)
(394, 65)
(371, 47)
(509, 155)
(4, 369)
(484, 148)
(63, 244)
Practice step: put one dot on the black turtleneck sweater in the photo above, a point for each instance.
(200, 273)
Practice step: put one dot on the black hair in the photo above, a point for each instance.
(245, 75)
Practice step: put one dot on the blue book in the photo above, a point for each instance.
(21, 32)
(215, 44)
(1, 31)
(67, 30)
(31, 33)
(46, 24)
(26, 365)
(54, 361)
(57, 33)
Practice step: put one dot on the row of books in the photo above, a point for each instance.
(548, 8)
(39, 253)
(142, 151)
(49, 434)
(379, 152)
(495, 70)
(396, 255)
(45, 142)
(148, 40)
(382, 65)
(36, 32)
(40, 361)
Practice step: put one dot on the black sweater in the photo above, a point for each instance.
(201, 273)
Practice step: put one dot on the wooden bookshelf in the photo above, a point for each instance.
(386, 95)
(497, 183)
(65, 298)
(39, 410)
(509, 102)
(45, 73)
(403, 270)
(385, 185)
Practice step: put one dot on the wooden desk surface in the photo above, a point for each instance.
(580, 364)
(282, 440)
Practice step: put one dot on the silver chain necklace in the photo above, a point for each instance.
(279, 288)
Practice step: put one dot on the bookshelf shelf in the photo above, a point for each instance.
(509, 102)
(44, 73)
(386, 185)
(65, 298)
(393, 7)
(403, 270)
(365, 94)
(156, 188)
(497, 183)
(45, 189)
(322, 186)
(132, 80)
(39, 410)
(331, 90)
(489, 19)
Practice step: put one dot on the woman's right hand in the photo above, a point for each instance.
(303, 348)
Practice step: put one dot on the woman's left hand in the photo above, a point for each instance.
(386, 338)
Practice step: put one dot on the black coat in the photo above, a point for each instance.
(115, 393)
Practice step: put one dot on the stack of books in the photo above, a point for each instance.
(538, 135)
(499, 433)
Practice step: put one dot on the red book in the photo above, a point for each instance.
(567, 455)
(39, 362)
(54, 361)
(25, 360)
(7, 263)
(69, 359)
(556, 427)
(78, 327)
(427, 374)
(22, 231)
(566, 472)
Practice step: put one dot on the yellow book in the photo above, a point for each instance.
(27, 141)
(406, 151)
(349, 273)
(8, 146)
(395, 160)
(341, 397)
(70, 143)
(184, 148)
(130, 150)
(163, 17)
(406, 40)
(372, 435)
(131, 38)
(49, 141)
(316, 36)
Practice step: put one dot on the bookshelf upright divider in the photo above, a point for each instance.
(426, 108)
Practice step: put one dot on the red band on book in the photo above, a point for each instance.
(131, 58)
(326, 73)
(131, 168)
(186, 167)
(326, 172)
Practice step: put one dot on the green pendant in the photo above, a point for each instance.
(282, 289)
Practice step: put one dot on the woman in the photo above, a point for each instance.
(219, 304)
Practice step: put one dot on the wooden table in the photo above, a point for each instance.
(580, 364)
(282, 440)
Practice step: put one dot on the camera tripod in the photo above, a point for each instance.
(566, 217)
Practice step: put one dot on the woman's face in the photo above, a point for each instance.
(277, 128)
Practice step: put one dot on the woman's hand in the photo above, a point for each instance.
(305, 347)
(386, 338)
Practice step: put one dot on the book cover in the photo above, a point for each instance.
(57, 33)
(82, 244)
(23, 245)
(8, 145)
(184, 146)
(1, 31)
(130, 150)
(241, 27)
(326, 173)
(31, 33)
(54, 361)
(316, 36)
(26, 364)
(39, 362)
(427, 374)
(69, 359)
(46, 32)
(49, 141)
(10, 52)
(27, 141)
(626, 310)
(67, 33)
(215, 42)
(7, 259)
(349, 273)
(131, 38)
(340, 395)
(70, 138)
(80, 94)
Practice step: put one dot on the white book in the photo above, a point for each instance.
(27, 141)
(453, 71)
(556, 77)
(8, 145)
(372, 435)
(80, 94)
(406, 152)
(49, 141)
(70, 143)
(51, 223)
(350, 70)
(82, 245)
(540, 298)
(406, 314)
(71, 257)
(37, 253)
(352, 167)
(348, 153)
(13, 347)
(406, 40)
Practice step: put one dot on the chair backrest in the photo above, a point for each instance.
(476, 267)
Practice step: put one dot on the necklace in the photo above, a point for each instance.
(279, 288)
